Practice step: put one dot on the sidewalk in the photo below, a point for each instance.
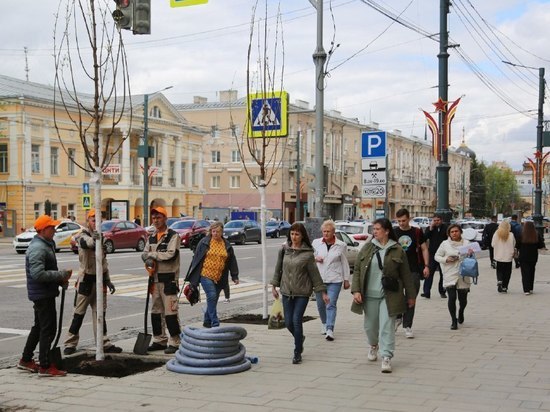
(498, 360)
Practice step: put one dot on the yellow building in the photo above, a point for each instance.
(36, 172)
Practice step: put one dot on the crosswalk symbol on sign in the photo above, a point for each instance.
(268, 114)
(86, 202)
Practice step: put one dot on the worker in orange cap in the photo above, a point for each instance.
(163, 246)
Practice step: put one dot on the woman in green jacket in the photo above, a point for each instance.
(382, 257)
(296, 275)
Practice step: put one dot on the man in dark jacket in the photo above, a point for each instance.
(487, 237)
(435, 235)
(43, 281)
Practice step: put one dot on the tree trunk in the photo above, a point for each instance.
(261, 189)
(95, 182)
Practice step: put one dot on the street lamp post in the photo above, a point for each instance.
(145, 152)
(539, 168)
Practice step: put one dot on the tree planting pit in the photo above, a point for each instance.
(111, 367)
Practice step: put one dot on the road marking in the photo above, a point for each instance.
(10, 331)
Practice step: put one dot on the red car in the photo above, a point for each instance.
(189, 227)
(123, 234)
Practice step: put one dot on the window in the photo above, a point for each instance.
(183, 174)
(235, 182)
(71, 210)
(155, 112)
(3, 158)
(215, 182)
(71, 168)
(54, 160)
(256, 181)
(55, 212)
(216, 156)
(235, 158)
(194, 174)
(35, 158)
(37, 210)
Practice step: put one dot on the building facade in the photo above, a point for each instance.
(43, 168)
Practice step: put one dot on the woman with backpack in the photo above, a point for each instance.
(448, 256)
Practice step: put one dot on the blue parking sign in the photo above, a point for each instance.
(373, 144)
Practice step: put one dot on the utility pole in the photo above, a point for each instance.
(539, 158)
(144, 153)
(298, 191)
(319, 57)
(442, 169)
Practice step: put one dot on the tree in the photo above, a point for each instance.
(477, 189)
(263, 153)
(501, 190)
(88, 48)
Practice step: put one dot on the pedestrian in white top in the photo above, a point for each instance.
(330, 255)
(504, 245)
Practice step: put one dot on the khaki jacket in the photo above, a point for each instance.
(86, 256)
(395, 265)
(166, 252)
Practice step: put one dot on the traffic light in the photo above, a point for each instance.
(124, 13)
(142, 17)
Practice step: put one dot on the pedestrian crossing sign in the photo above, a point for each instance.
(268, 114)
(86, 202)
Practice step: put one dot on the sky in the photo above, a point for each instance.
(378, 71)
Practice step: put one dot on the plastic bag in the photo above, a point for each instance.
(276, 317)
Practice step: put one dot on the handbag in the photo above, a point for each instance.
(469, 268)
(388, 283)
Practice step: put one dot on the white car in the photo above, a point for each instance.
(477, 225)
(422, 222)
(360, 232)
(62, 238)
(352, 247)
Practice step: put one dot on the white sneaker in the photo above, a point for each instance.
(323, 329)
(398, 322)
(330, 335)
(373, 353)
(409, 333)
(386, 365)
(226, 301)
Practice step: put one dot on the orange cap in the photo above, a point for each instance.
(159, 209)
(91, 213)
(45, 221)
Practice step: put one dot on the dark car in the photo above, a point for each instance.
(123, 234)
(242, 231)
(277, 228)
(187, 228)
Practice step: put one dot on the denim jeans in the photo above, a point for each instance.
(212, 292)
(327, 313)
(294, 309)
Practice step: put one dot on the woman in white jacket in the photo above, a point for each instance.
(448, 256)
(504, 245)
(330, 255)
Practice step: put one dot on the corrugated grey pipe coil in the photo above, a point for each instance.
(214, 351)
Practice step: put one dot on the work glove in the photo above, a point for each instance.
(148, 255)
(96, 235)
(65, 275)
(111, 287)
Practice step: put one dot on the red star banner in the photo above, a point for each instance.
(440, 105)
(448, 119)
(432, 124)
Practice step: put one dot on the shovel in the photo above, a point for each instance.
(55, 351)
(144, 339)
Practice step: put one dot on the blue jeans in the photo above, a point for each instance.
(212, 292)
(294, 309)
(327, 313)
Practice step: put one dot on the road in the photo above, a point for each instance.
(126, 307)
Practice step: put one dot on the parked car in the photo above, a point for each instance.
(360, 232)
(62, 237)
(352, 247)
(189, 227)
(422, 222)
(275, 228)
(122, 234)
(242, 231)
(478, 226)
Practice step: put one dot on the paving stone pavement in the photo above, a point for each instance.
(498, 360)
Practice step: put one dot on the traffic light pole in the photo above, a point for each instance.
(145, 154)
(537, 216)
